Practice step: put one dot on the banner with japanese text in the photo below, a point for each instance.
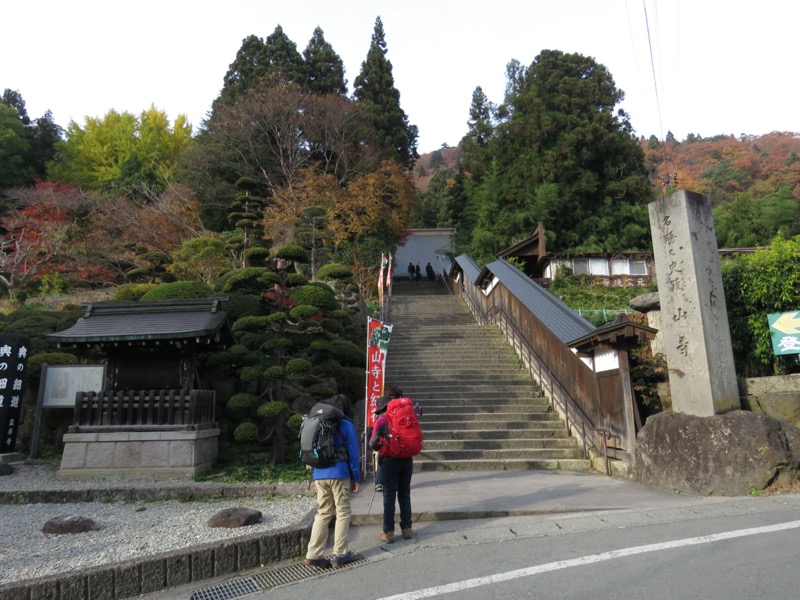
(378, 335)
(13, 360)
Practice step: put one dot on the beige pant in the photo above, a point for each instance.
(333, 496)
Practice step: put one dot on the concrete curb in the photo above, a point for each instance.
(156, 573)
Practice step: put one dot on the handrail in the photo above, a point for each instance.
(444, 279)
(562, 399)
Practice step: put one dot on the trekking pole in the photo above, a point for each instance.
(374, 487)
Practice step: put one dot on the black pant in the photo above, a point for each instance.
(396, 476)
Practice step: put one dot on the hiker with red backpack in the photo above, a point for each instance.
(397, 438)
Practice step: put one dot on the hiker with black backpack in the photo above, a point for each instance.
(397, 437)
(329, 444)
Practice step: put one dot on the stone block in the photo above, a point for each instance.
(202, 564)
(155, 454)
(100, 583)
(128, 455)
(127, 581)
(248, 554)
(225, 559)
(74, 456)
(99, 455)
(154, 576)
(179, 570)
(269, 548)
(46, 590)
(72, 587)
(181, 454)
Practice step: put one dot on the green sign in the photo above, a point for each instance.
(785, 330)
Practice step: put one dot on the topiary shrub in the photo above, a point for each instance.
(294, 423)
(252, 280)
(351, 381)
(349, 354)
(255, 324)
(322, 346)
(179, 290)
(293, 253)
(298, 367)
(320, 390)
(257, 257)
(275, 372)
(276, 344)
(303, 311)
(270, 410)
(242, 305)
(246, 432)
(334, 271)
(296, 280)
(332, 325)
(315, 295)
(132, 292)
(253, 340)
(327, 368)
(242, 401)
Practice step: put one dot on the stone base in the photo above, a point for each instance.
(10, 457)
(138, 454)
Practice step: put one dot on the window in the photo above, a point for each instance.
(590, 266)
(628, 266)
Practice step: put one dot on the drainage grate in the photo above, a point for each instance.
(265, 580)
(229, 589)
(293, 573)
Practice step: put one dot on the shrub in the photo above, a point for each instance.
(293, 253)
(252, 280)
(352, 382)
(298, 367)
(132, 292)
(33, 370)
(242, 400)
(296, 280)
(303, 311)
(327, 368)
(335, 272)
(349, 354)
(314, 295)
(246, 432)
(320, 390)
(270, 410)
(242, 305)
(179, 290)
(275, 372)
(324, 346)
(332, 325)
(251, 324)
(294, 423)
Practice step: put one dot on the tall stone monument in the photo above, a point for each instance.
(694, 318)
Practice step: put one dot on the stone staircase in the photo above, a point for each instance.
(481, 411)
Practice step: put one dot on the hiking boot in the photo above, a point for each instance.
(339, 561)
(319, 563)
(408, 533)
(387, 537)
(378, 487)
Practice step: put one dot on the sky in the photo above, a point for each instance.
(705, 67)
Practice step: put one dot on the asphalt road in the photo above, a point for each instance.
(719, 548)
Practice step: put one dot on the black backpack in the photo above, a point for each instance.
(320, 427)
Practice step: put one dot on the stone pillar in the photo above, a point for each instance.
(697, 339)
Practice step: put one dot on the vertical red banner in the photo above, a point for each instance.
(378, 334)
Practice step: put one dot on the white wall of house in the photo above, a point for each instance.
(422, 246)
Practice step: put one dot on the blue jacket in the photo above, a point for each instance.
(345, 469)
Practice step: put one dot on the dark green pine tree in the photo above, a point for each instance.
(374, 87)
(324, 68)
(481, 130)
(569, 159)
(276, 57)
(246, 216)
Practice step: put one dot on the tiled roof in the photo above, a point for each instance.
(469, 267)
(144, 321)
(564, 322)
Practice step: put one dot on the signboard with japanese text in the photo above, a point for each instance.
(785, 331)
(13, 361)
(378, 335)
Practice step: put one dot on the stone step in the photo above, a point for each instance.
(431, 408)
(421, 465)
(503, 454)
(470, 417)
(555, 430)
(510, 444)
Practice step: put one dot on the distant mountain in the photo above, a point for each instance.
(444, 159)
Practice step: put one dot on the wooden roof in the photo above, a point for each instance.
(199, 321)
(619, 332)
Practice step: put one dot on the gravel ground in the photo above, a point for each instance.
(130, 529)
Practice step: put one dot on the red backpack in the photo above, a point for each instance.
(404, 436)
